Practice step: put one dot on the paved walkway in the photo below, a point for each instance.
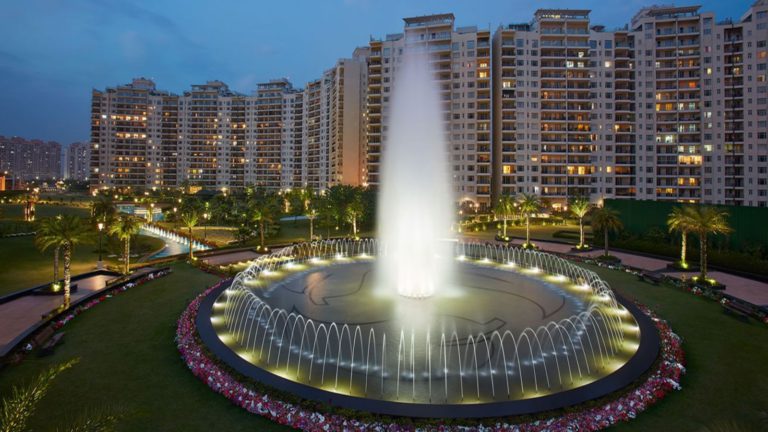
(750, 290)
(18, 315)
(231, 258)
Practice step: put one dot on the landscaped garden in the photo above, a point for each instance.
(129, 362)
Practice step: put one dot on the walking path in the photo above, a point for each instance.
(743, 288)
(231, 258)
(19, 315)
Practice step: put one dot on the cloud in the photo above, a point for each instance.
(131, 46)
(142, 15)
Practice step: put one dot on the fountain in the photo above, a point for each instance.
(415, 324)
(416, 207)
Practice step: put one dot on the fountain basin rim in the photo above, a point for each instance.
(636, 366)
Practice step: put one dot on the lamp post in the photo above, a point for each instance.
(151, 212)
(100, 263)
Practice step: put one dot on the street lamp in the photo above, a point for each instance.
(100, 263)
(151, 212)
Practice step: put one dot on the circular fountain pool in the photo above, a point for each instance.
(520, 332)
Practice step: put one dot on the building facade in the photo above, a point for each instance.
(672, 106)
(23, 159)
(213, 138)
(461, 60)
(77, 160)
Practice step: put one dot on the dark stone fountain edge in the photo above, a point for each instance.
(640, 363)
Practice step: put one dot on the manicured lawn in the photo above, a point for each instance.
(24, 266)
(290, 232)
(128, 358)
(538, 232)
(726, 361)
(15, 211)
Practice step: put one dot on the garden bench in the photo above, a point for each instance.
(47, 348)
(738, 309)
(42, 336)
(650, 278)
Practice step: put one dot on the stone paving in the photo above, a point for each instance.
(231, 258)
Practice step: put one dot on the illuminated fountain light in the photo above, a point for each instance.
(569, 350)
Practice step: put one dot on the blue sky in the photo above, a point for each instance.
(53, 52)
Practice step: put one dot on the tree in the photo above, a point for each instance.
(103, 209)
(580, 207)
(339, 197)
(311, 215)
(606, 220)
(221, 208)
(353, 211)
(124, 227)
(326, 214)
(43, 228)
(30, 199)
(704, 221)
(64, 231)
(504, 209)
(679, 220)
(190, 216)
(263, 210)
(529, 204)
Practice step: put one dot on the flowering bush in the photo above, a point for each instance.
(663, 378)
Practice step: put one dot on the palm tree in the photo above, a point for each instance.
(580, 207)
(103, 209)
(29, 205)
(124, 227)
(704, 221)
(264, 209)
(529, 204)
(504, 209)
(189, 219)
(64, 231)
(606, 220)
(679, 220)
(19, 405)
(43, 228)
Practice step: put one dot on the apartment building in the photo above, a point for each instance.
(76, 161)
(23, 159)
(213, 138)
(671, 106)
(125, 148)
(461, 60)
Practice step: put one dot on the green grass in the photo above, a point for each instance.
(16, 212)
(290, 232)
(726, 360)
(538, 232)
(128, 358)
(24, 266)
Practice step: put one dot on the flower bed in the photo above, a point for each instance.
(664, 377)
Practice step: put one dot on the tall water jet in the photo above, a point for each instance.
(415, 203)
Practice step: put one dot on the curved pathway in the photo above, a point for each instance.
(750, 290)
